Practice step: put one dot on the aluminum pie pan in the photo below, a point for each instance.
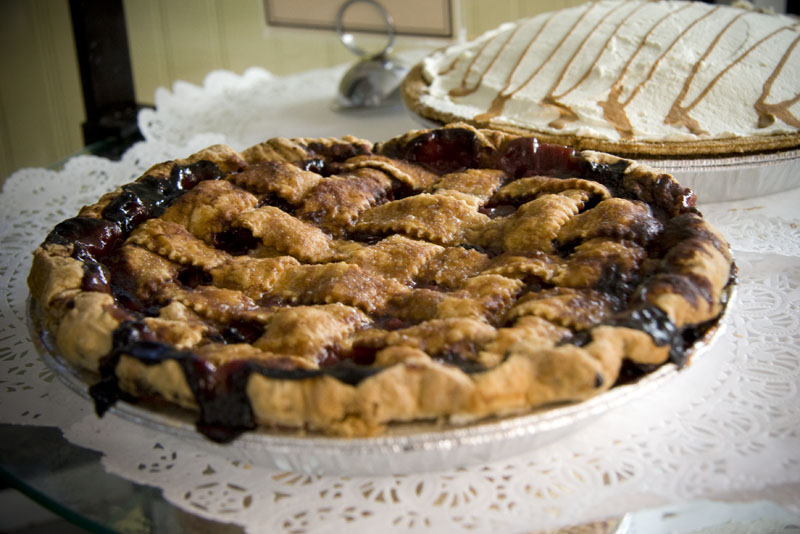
(404, 449)
(734, 178)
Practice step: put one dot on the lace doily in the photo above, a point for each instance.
(726, 427)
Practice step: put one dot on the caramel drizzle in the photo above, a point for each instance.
(499, 102)
(613, 109)
(450, 67)
(768, 112)
(496, 108)
(462, 89)
(679, 115)
(551, 99)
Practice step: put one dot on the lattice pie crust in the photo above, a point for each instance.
(340, 286)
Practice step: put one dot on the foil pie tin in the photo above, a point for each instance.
(403, 449)
(734, 178)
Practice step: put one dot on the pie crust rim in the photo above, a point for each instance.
(323, 453)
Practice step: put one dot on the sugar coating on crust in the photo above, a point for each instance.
(347, 286)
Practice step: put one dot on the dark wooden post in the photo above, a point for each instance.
(101, 41)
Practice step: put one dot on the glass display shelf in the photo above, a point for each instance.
(71, 482)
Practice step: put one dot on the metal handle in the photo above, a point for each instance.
(349, 41)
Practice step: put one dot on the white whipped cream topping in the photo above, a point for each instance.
(679, 70)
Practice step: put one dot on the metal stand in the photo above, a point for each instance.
(375, 80)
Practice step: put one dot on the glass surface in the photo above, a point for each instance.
(71, 482)
(100, 148)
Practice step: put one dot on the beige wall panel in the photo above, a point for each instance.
(295, 50)
(67, 111)
(192, 39)
(148, 47)
(42, 107)
(528, 8)
(242, 34)
(487, 15)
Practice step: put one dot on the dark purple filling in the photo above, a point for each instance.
(656, 323)
(359, 355)
(399, 190)
(494, 211)
(609, 175)
(185, 177)
(526, 156)
(652, 320)
(149, 196)
(95, 278)
(618, 282)
(276, 201)
(140, 200)
(95, 275)
(106, 391)
(92, 236)
(446, 150)
(631, 371)
(316, 165)
(235, 241)
(535, 284)
(93, 239)
(365, 238)
(457, 359)
(192, 277)
(220, 390)
(391, 322)
(221, 393)
(242, 332)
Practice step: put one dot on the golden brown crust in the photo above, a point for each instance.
(53, 272)
(280, 231)
(84, 332)
(459, 308)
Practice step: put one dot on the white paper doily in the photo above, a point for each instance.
(726, 427)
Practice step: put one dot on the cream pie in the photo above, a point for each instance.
(635, 78)
(341, 286)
